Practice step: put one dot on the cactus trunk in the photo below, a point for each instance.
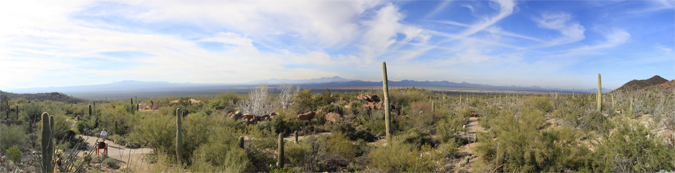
(47, 142)
(179, 136)
(115, 130)
(630, 111)
(241, 142)
(280, 156)
(599, 95)
(89, 110)
(296, 137)
(385, 88)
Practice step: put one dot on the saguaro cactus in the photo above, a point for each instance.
(179, 136)
(433, 105)
(280, 156)
(630, 111)
(89, 110)
(47, 142)
(132, 104)
(385, 88)
(138, 105)
(296, 136)
(241, 142)
(599, 95)
(115, 130)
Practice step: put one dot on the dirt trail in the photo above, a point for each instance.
(121, 153)
(471, 132)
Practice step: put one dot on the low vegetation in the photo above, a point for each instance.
(633, 132)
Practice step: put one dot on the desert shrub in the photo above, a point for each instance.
(594, 120)
(156, 131)
(416, 138)
(196, 130)
(12, 136)
(221, 154)
(32, 112)
(110, 162)
(521, 147)
(340, 144)
(449, 127)
(477, 103)
(631, 149)
(303, 101)
(539, 103)
(334, 108)
(14, 154)
(227, 97)
(419, 107)
(294, 153)
(118, 139)
(399, 157)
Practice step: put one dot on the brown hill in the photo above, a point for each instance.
(670, 85)
(44, 96)
(640, 84)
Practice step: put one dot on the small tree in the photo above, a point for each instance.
(258, 101)
(286, 94)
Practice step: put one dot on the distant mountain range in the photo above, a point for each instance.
(125, 89)
(304, 81)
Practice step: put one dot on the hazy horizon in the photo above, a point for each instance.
(558, 44)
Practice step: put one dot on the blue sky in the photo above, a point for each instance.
(562, 44)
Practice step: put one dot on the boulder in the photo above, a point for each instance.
(265, 117)
(333, 117)
(249, 117)
(235, 115)
(307, 116)
(369, 97)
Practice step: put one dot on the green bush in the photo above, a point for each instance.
(521, 147)
(399, 157)
(340, 144)
(14, 154)
(477, 103)
(594, 120)
(118, 139)
(12, 136)
(631, 149)
(540, 103)
(110, 162)
(294, 153)
(157, 131)
(221, 154)
(416, 138)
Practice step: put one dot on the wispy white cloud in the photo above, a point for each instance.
(571, 30)
(442, 5)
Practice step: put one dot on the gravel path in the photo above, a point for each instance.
(134, 156)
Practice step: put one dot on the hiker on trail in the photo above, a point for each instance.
(104, 134)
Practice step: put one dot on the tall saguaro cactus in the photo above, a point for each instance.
(280, 156)
(385, 89)
(89, 110)
(179, 136)
(47, 142)
(599, 95)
